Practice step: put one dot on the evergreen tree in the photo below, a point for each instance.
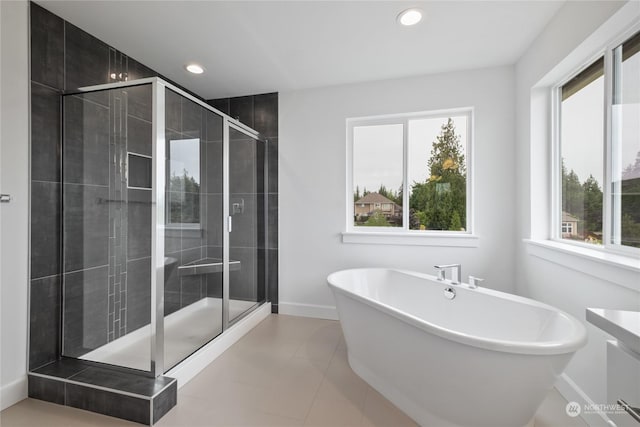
(572, 193)
(442, 197)
(630, 231)
(390, 194)
(456, 224)
(592, 196)
(184, 199)
(630, 204)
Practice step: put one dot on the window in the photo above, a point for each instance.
(183, 181)
(597, 197)
(410, 172)
(581, 148)
(625, 144)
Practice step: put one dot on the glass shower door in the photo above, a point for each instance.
(193, 227)
(247, 223)
(152, 269)
(106, 222)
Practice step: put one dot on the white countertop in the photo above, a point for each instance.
(623, 325)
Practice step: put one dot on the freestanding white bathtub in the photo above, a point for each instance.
(484, 358)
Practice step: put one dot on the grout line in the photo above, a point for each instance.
(45, 277)
(324, 376)
(85, 269)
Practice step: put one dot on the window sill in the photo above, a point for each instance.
(619, 269)
(411, 239)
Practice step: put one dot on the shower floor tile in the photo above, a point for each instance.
(288, 371)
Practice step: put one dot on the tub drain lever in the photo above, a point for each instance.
(449, 293)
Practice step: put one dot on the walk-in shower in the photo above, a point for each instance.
(164, 224)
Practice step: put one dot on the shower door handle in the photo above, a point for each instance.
(230, 224)
(5, 198)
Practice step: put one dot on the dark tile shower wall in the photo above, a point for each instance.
(106, 223)
(247, 198)
(261, 113)
(63, 57)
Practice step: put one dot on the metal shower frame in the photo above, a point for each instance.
(158, 171)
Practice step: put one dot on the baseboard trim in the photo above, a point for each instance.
(189, 368)
(12, 393)
(570, 391)
(308, 310)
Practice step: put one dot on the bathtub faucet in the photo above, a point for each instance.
(456, 274)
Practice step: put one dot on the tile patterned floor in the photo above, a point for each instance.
(288, 371)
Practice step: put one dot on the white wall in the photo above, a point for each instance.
(312, 182)
(560, 285)
(14, 179)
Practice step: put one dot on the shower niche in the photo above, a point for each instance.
(163, 223)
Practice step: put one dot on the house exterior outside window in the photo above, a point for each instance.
(569, 226)
(374, 202)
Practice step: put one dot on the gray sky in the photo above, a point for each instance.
(582, 131)
(377, 157)
(583, 118)
(185, 154)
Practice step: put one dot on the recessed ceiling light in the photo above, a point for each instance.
(194, 68)
(410, 16)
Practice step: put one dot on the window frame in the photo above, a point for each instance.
(606, 52)
(404, 119)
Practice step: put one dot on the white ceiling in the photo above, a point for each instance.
(250, 47)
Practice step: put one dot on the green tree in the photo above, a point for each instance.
(415, 219)
(184, 199)
(399, 196)
(390, 194)
(356, 195)
(592, 199)
(438, 200)
(572, 193)
(630, 204)
(630, 231)
(456, 224)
